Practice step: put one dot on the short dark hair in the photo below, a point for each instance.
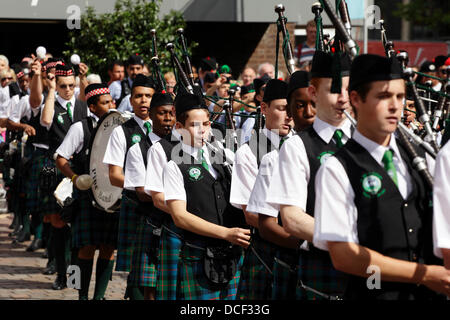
(363, 89)
(93, 100)
(114, 63)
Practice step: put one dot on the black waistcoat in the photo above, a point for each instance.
(134, 134)
(80, 161)
(317, 151)
(125, 90)
(62, 122)
(386, 222)
(207, 197)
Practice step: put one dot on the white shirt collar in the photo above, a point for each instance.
(141, 122)
(64, 102)
(193, 151)
(326, 130)
(377, 151)
(274, 137)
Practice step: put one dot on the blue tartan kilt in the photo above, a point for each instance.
(193, 284)
(167, 269)
(285, 274)
(256, 281)
(143, 271)
(93, 226)
(315, 270)
(128, 220)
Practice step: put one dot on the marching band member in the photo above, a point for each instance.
(91, 228)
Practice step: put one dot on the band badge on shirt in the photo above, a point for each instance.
(60, 119)
(136, 138)
(195, 174)
(324, 156)
(372, 185)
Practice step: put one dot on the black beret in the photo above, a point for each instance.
(439, 61)
(187, 101)
(370, 67)
(210, 77)
(208, 64)
(259, 82)
(135, 59)
(299, 79)
(428, 66)
(143, 81)
(275, 89)
(247, 89)
(161, 99)
(322, 64)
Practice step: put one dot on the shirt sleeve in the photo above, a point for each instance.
(116, 148)
(16, 111)
(73, 141)
(245, 169)
(124, 104)
(441, 202)
(134, 168)
(257, 202)
(291, 176)
(173, 182)
(156, 162)
(335, 214)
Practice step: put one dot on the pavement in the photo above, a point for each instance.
(21, 275)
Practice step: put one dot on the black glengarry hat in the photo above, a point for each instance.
(161, 99)
(275, 89)
(187, 101)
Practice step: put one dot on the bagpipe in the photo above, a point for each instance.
(343, 28)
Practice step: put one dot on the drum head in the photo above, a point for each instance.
(105, 196)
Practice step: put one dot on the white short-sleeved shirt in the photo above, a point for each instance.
(117, 144)
(73, 141)
(135, 170)
(4, 102)
(335, 212)
(173, 178)
(292, 175)
(8, 106)
(245, 169)
(441, 202)
(257, 202)
(23, 109)
(156, 162)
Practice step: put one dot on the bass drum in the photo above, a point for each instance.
(105, 196)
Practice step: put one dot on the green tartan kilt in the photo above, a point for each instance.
(93, 226)
(256, 281)
(285, 274)
(143, 271)
(127, 234)
(315, 270)
(34, 202)
(169, 254)
(193, 284)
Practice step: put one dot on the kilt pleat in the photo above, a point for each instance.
(284, 274)
(126, 234)
(167, 270)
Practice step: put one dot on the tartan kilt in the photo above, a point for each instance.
(193, 284)
(127, 233)
(316, 271)
(256, 281)
(167, 270)
(143, 272)
(93, 226)
(285, 276)
(33, 201)
(49, 204)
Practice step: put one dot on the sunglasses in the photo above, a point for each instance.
(64, 86)
(9, 78)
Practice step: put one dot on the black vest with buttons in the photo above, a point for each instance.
(317, 150)
(387, 223)
(207, 197)
(134, 134)
(42, 134)
(62, 122)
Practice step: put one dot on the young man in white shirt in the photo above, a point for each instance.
(91, 228)
(372, 207)
(196, 189)
(122, 138)
(292, 188)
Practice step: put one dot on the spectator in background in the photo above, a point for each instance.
(4, 63)
(305, 51)
(116, 71)
(266, 68)
(171, 81)
(247, 76)
(93, 78)
(439, 62)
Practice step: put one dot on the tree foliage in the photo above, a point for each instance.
(431, 14)
(106, 37)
